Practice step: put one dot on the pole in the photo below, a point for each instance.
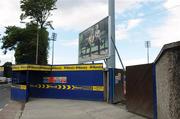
(148, 55)
(147, 45)
(52, 52)
(111, 59)
(118, 55)
(37, 46)
(54, 36)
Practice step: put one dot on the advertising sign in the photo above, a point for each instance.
(55, 80)
(93, 42)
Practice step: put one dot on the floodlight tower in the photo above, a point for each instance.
(148, 45)
(54, 37)
(111, 59)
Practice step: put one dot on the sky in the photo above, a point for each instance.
(137, 21)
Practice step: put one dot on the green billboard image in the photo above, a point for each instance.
(93, 42)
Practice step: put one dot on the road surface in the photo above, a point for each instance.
(43, 108)
(4, 95)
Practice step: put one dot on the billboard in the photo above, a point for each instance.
(93, 42)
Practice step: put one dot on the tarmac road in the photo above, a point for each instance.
(4, 95)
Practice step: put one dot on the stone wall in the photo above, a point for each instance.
(168, 84)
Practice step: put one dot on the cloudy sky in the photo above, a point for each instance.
(137, 21)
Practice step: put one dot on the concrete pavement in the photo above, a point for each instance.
(59, 109)
(74, 109)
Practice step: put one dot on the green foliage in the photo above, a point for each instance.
(7, 69)
(23, 41)
(43, 46)
(14, 36)
(38, 11)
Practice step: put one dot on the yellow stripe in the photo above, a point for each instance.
(73, 87)
(23, 87)
(98, 88)
(43, 86)
(70, 87)
(39, 86)
(1, 68)
(31, 67)
(64, 87)
(84, 67)
(78, 67)
(48, 86)
(59, 86)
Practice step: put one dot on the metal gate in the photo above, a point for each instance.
(140, 89)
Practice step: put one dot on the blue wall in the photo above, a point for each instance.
(84, 80)
(19, 94)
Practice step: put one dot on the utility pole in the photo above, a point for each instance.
(111, 58)
(37, 45)
(147, 45)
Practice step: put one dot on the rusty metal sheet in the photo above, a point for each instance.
(140, 89)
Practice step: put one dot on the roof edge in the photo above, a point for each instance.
(165, 48)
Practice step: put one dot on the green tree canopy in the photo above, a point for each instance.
(7, 69)
(11, 38)
(23, 41)
(38, 11)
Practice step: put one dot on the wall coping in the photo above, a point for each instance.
(165, 48)
(74, 67)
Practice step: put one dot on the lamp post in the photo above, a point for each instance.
(147, 45)
(54, 37)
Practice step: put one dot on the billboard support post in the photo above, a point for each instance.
(111, 59)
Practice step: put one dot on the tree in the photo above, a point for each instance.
(7, 69)
(38, 11)
(23, 41)
(12, 37)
